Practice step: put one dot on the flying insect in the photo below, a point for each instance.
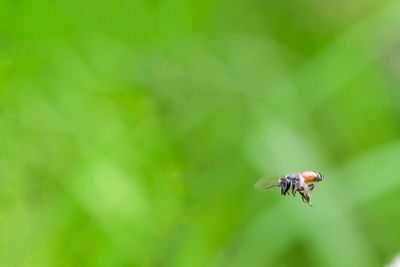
(302, 182)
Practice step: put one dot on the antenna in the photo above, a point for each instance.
(268, 187)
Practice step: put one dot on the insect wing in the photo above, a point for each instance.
(264, 183)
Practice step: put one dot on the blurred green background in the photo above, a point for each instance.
(132, 132)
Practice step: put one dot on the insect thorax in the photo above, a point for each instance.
(293, 176)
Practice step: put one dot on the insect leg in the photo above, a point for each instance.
(301, 190)
(308, 201)
(289, 185)
(304, 196)
(296, 187)
(311, 187)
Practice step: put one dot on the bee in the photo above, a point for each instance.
(298, 182)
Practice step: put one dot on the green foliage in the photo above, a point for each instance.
(132, 132)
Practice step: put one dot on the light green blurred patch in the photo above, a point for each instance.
(110, 195)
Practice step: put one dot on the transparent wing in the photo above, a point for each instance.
(265, 183)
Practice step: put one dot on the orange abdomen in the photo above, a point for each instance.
(308, 176)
